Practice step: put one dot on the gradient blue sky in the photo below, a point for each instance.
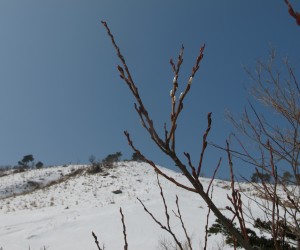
(61, 98)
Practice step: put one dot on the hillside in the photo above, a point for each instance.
(58, 208)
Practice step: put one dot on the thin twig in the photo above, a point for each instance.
(164, 201)
(97, 242)
(124, 230)
(207, 220)
(187, 155)
(214, 175)
(182, 224)
(204, 143)
(157, 170)
(294, 14)
(161, 225)
(235, 199)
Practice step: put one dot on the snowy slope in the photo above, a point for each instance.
(63, 214)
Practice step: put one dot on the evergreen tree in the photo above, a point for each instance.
(24, 163)
(137, 157)
(39, 165)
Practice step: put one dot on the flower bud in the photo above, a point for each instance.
(174, 80)
(190, 80)
(171, 92)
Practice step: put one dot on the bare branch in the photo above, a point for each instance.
(164, 145)
(124, 230)
(214, 175)
(204, 143)
(294, 14)
(235, 199)
(157, 170)
(207, 220)
(97, 242)
(166, 228)
(182, 224)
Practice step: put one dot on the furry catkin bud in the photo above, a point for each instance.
(171, 92)
(190, 80)
(180, 96)
(174, 98)
(174, 80)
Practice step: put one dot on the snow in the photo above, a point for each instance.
(64, 210)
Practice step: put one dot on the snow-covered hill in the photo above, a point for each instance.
(58, 208)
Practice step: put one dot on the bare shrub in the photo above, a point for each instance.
(95, 168)
(277, 147)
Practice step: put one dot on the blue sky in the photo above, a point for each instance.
(61, 98)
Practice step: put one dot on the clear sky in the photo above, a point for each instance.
(61, 98)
